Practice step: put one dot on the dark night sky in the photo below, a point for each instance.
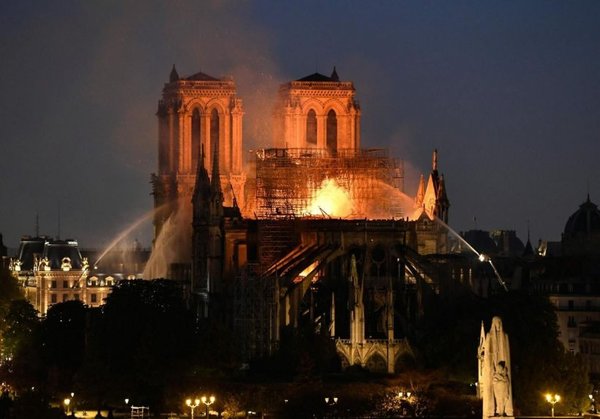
(508, 91)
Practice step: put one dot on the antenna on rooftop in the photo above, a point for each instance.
(58, 233)
(37, 224)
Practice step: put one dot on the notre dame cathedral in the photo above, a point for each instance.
(314, 230)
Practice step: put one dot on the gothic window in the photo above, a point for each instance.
(214, 133)
(196, 142)
(311, 127)
(332, 130)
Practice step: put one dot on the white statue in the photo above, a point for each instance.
(15, 265)
(44, 264)
(495, 386)
(65, 264)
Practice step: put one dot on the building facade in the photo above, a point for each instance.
(199, 115)
(317, 111)
(294, 259)
(53, 271)
(571, 279)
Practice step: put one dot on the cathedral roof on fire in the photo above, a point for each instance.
(586, 220)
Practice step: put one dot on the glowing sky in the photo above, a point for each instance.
(508, 91)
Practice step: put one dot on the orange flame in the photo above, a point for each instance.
(382, 202)
(331, 199)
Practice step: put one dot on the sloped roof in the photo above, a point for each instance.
(316, 77)
(200, 76)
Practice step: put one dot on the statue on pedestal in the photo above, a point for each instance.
(495, 387)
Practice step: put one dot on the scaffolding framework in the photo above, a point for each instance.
(287, 180)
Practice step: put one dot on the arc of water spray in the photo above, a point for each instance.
(482, 257)
(124, 234)
(117, 240)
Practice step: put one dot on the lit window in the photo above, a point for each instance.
(53, 298)
(94, 298)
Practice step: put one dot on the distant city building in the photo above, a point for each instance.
(53, 271)
(570, 276)
(582, 231)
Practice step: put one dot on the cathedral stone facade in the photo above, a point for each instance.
(317, 111)
(196, 113)
(354, 277)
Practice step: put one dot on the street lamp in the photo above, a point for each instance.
(330, 402)
(405, 402)
(208, 401)
(67, 402)
(192, 405)
(552, 400)
(404, 395)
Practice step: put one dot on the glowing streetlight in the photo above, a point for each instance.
(208, 401)
(192, 405)
(67, 403)
(330, 402)
(404, 395)
(552, 399)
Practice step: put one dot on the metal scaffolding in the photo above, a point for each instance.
(287, 180)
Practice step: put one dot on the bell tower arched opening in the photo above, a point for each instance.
(311, 127)
(214, 134)
(331, 130)
(196, 138)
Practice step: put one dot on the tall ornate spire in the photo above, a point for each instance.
(202, 184)
(420, 192)
(215, 181)
(434, 164)
(442, 203)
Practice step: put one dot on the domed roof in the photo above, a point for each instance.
(586, 220)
